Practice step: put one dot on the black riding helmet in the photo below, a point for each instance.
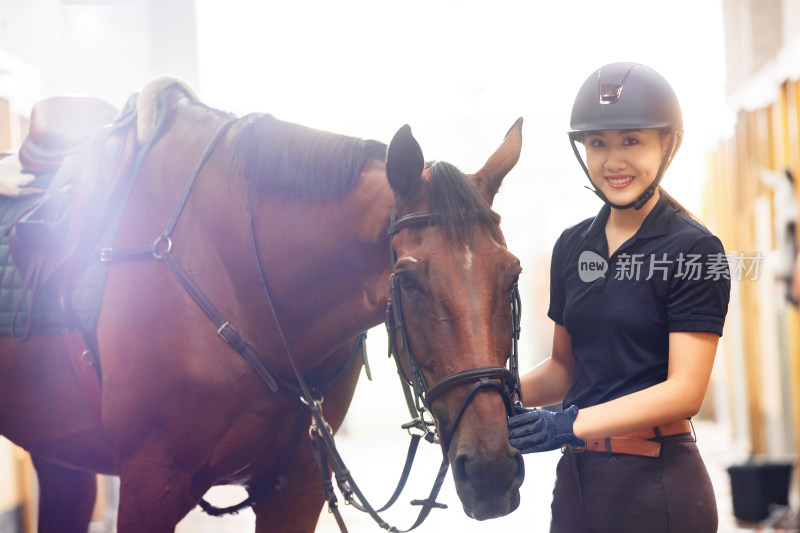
(622, 96)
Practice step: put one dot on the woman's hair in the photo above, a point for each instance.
(665, 132)
(675, 202)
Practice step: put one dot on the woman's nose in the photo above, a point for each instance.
(615, 161)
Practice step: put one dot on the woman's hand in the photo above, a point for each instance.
(539, 430)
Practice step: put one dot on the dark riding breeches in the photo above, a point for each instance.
(596, 492)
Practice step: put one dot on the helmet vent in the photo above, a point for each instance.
(609, 93)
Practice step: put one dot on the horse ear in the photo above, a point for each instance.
(404, 161)
(488, 179)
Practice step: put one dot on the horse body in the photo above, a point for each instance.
(43, 408)
(182, 411)
(190, 410)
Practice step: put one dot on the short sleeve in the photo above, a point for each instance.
(700, 289)
(557, 294)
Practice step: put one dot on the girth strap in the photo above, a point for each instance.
(273, 481)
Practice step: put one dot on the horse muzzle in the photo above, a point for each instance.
(488, 484)
(488, 487)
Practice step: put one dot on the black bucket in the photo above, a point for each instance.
(756, 486)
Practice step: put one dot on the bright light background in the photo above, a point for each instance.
(460, 72)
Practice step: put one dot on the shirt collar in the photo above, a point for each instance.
(656, 223)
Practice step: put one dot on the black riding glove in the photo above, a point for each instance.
(538, 430)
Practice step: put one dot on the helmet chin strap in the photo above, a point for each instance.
(648, 193)
(637, 204)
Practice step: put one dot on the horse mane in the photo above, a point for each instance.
(454, 202)
(293, 160)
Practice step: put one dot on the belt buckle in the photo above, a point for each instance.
(572, 449)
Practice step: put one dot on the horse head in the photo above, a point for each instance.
(452, 314)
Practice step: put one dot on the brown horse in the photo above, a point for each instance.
(181, 410)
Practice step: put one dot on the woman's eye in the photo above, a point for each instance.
(631, 141)
(596, 143)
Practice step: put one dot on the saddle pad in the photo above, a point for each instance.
(47, 316)
(86, 294)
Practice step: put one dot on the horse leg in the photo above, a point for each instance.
(155, 493)
(294, 509)
(66, 497)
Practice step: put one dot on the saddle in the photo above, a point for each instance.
(61, 126)
(90, 155)
(87, 148)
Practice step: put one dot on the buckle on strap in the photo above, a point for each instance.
(572, 449)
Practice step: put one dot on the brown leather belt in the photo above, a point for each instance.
(637, 442)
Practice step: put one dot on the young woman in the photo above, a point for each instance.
(638, 295)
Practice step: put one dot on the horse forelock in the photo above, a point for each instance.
(293, 160)
(455, 203)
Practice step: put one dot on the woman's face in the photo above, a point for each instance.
(624, 163)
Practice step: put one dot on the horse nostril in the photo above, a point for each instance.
(460, 467)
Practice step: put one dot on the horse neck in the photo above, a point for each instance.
(326, 263)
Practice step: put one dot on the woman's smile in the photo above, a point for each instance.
(619, 181)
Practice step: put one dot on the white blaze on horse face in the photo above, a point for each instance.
(468, 258)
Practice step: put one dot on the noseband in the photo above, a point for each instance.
(419, 396)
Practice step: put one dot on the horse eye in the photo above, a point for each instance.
(407, 282)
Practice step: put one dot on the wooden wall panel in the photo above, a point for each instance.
(764, 138)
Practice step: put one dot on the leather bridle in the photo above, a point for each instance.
(419, 396)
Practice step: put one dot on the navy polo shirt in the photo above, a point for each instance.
(672, 275)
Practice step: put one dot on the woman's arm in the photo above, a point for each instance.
(691, 358)
(550, 380)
